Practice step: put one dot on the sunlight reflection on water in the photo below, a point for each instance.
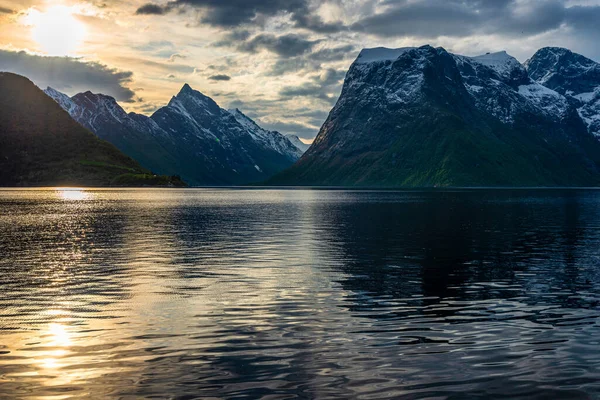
(308, 294)
(73, 194)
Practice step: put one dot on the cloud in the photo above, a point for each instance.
(229, 13)
(232, 38)
(175, 56)
(69, 75)
(289, 45)
(311, 62)
(315, 23)
(4, 10)
(330, 77)
(584, 18)
(287, 127)
(219, 78)
(308, 90)
(334, 53)
(151, 9)
(461, 18)
(235, 13)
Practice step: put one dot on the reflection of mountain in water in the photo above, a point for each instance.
(312, 294)
(467, 245)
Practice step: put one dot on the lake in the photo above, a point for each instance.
(281, 294)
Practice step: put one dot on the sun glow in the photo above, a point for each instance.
(56, 31)
(72, 194)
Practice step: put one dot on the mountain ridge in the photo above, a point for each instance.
(191, 136)
(41, 145)
(426, 117)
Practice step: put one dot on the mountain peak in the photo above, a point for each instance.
(186, 88)
(503, 63)
(95, 97)
(555, 50)
(188, 91)
(564, 71)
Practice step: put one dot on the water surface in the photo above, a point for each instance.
(224, 293)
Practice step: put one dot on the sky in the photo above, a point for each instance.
(282, 62)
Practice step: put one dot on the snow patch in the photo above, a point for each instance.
(501, 62)
(380, 54)
(547, 100)
(587, 97)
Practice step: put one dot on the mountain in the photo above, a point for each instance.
(298, 143)
(268, 139)
(136, 135)
(192, 137)
(425, 117)
(40, 144)
(573, 76)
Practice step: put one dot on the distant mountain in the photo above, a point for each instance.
(573, 76)
(298, 143)
(191, 136)
(269, 139)
(426, 117)
(40, 144)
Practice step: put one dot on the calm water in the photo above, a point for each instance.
(299, 294)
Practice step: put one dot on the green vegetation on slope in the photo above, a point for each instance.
(41, 145)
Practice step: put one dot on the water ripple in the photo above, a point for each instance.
(220, 293)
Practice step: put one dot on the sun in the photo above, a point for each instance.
(56, 31)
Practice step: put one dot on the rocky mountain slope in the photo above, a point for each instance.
(41, 145)
(269, 139)
(572, 75)
(191, 136)
(426, 117)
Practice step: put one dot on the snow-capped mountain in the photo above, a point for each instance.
(298, 143)
(426, 117)
(191, 136)
(572, 75)
(269, 139)
(63, 100)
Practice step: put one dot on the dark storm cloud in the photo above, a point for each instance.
(69, 74)
(219, 78)
(286, 45)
